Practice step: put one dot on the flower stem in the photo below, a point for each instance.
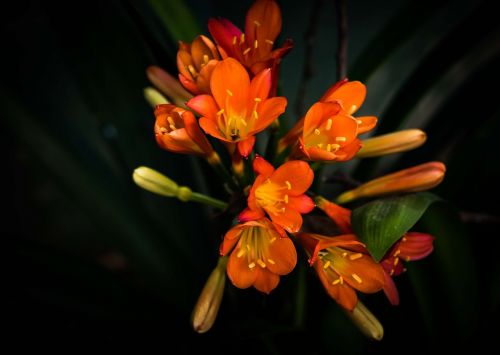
(220, 169)
(207, 200)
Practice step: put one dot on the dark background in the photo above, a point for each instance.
(92, 263)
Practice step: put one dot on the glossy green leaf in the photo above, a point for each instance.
(379, 224)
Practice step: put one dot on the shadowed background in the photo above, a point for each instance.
(94, 263)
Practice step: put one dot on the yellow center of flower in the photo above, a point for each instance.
(236, 125)
(254, 246)
(273, 197)
(320, 138)
(332, 260)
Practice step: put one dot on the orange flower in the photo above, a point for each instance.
(254, 48)
(177, 130)
(263, 252)
(345, 98)
(340, 215)
(412, 246)
(343, 267)
(280, 193)
(195, 62)
(238, 108)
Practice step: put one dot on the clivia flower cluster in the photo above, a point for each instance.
(227, 93)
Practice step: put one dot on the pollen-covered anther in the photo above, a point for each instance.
(163, 130)
(251, 265)
(241, 252)
(340, 139)
(245, 52)
(229, 92)
(396, 261)
(255, 114)
(172, 123)
(317, 132)
(344, 254)
(256, 44)
(327, 264)
(359, 121)
(357, 278)
(397, 252)
(329, 124)
(271, 261)
(272, 241)
(235, 39)
(288, 185)
(355, 256)
(286, 199)
(205, 59)
(261, 263)
(242, 38)
(220, 112)
(192, 70)
(268, 41)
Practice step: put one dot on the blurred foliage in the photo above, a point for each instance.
(95, 263)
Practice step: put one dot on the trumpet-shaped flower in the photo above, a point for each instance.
(238, 108)
(280, 193)
(177, 130)
(254, 48)
(412, 246)
(343, 267)
(262, 252)
(195, 62)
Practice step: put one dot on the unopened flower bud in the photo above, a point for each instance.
(366, 322)
(155, 182)
(206, 309)
(418, 178)
(392, 143)
(154, 97)
(168, 85)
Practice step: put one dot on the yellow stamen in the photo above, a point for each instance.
(329, 147)
(248, 247)
(234, 39)
(245, 52)
(240, 253)
(355, 256)
(163, 130)
(205, 58)
(257, 23)
(396, 261)
(256, 44)
(344, 254)
(359, 122)
(243, 122)
(357, 278)
(261, 263)
(272, 240)
(257, 99)
(269, 41)
(336, 282)
(172, 123)
(397, 252)
(172, 127)
(392, 272)
(288, 185)
(341, 280)
(320, 145)
(286, 198)
(340, 139)
(317, 132)
(327, 264)
(221, 111)
(255, 114)
(192, 70)
(242, 38)
(329, 124)
(229, 92)
(271, 261)
(251, 265)
(404, 239)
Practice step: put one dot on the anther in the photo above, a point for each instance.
(288, 185)
(355, 256)
(256, 44)
(359, 122)
(205, 58)
(271, 261)
(240, 253)
(269, 41)
(340, 139)
(229, 92)
(336, 282)
(404, 239)
(242, 38)
(329, 147)
(329, 124)
(396, 261)
(357, 278)
(286, 198)
(272, 240)
(320, 145)
(261, 263)
(327, 264)
(257, 99)
(243, 122)
(255, 114)
(257, 23)
(192, 70)
(221, 111)
(251, 265)
(344, 254)
(392, 272)
(163, 130)
(341, 280)
(245, 52)
(397, 252)
(234, 39)
(317, 132)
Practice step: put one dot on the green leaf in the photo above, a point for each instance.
(379, 224)
(177, 19)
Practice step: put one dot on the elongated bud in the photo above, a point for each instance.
(206, 309)
(366, 322)
(168, 85)
(155, 182)
(418, 178)
(340, 215)
(392, 143)
(154, 97)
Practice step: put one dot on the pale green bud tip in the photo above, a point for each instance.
(206, 309)
(155, 182)
(184, 193)
(154, 97)
(366, 322)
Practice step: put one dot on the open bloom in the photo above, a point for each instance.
(343, 267)
(345, 98)
(262, 253)
(412, 246)
(177, 130)
(280, 193)
(238, 108)
(254, 48)
(195, 62)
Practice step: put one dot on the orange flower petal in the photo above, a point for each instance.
(183, 61)
(390, 290)
(194, 131)
(204, 105)
(344, 126)
(238, 271)
(264, 20)
(210, 127)
(318, 154)
(303, 204)
(342, 293)
(265, 281)
(189, 85)
(350, 95)
(290, 220)
(250, 215)
(204, 76)
(268, 111)
(332, 89)
(349, 151)
(366, 123)
(295, 174)
(230, 239)
(245, 146)
(230, 85)
(282, 256)
(260, 85)
(262, 166)
(199, 47)
(317, 114)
